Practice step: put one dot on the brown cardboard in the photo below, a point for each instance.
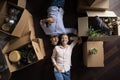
(16, 43)
(31, 27)
(83, 24)
(22, 3)
(94, 2)
(93, 60)
(22, 27)
(98, 5)
(19, 42)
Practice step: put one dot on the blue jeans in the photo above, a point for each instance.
(62, 75)
(58, 3)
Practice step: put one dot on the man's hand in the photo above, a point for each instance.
(49, 20)
(79, 40)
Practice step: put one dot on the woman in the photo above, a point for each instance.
(61, 58)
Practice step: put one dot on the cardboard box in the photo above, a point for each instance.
(84, 24)
(98, 5)
(20, 3)
(20, 43)
(93, 2)
(93, 60)
(21, 27)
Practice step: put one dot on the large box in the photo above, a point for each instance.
(86, 21)
(24, 45)
(98, 5)
(20, 26)
(93, 60)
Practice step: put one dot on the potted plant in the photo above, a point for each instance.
(93, 51)
(93, 33)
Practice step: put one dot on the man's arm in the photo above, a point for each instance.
(49, 20)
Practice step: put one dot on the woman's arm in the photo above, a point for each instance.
(75, 41)
(54, 60)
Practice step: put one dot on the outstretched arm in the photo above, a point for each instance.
(75, 41)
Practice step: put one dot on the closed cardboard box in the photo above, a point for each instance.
(93, 60)
(21, 26)
(22, 44)
(84, 23)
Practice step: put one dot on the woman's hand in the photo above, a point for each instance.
(57, 68)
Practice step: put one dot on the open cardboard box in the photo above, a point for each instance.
(84, 24)
(93, 60)
(18, 44)
(98, 5)
(21, 27)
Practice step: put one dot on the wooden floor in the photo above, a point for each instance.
(43, 70)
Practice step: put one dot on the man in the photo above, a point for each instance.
(53, 25)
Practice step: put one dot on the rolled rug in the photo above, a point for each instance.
(6, 27)
(105, 29)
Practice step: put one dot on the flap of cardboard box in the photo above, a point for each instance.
(101, 13)
(38, 47)
(83, 26)
(22, 3)
(16, 43)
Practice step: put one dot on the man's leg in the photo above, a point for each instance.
(58, 3)
(71, 30)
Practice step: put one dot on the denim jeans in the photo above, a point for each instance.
(62, 75)
(58, 3)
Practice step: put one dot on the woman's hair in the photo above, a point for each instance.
(63, 35)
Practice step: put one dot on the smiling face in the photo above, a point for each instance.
(54, 40)
(64, 39)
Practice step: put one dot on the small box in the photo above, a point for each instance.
(84, 23)
(96, 5)
(20, 25)
(19, 44)
(93, 60)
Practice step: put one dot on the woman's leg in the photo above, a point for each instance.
(58, 75)
(66, 75)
